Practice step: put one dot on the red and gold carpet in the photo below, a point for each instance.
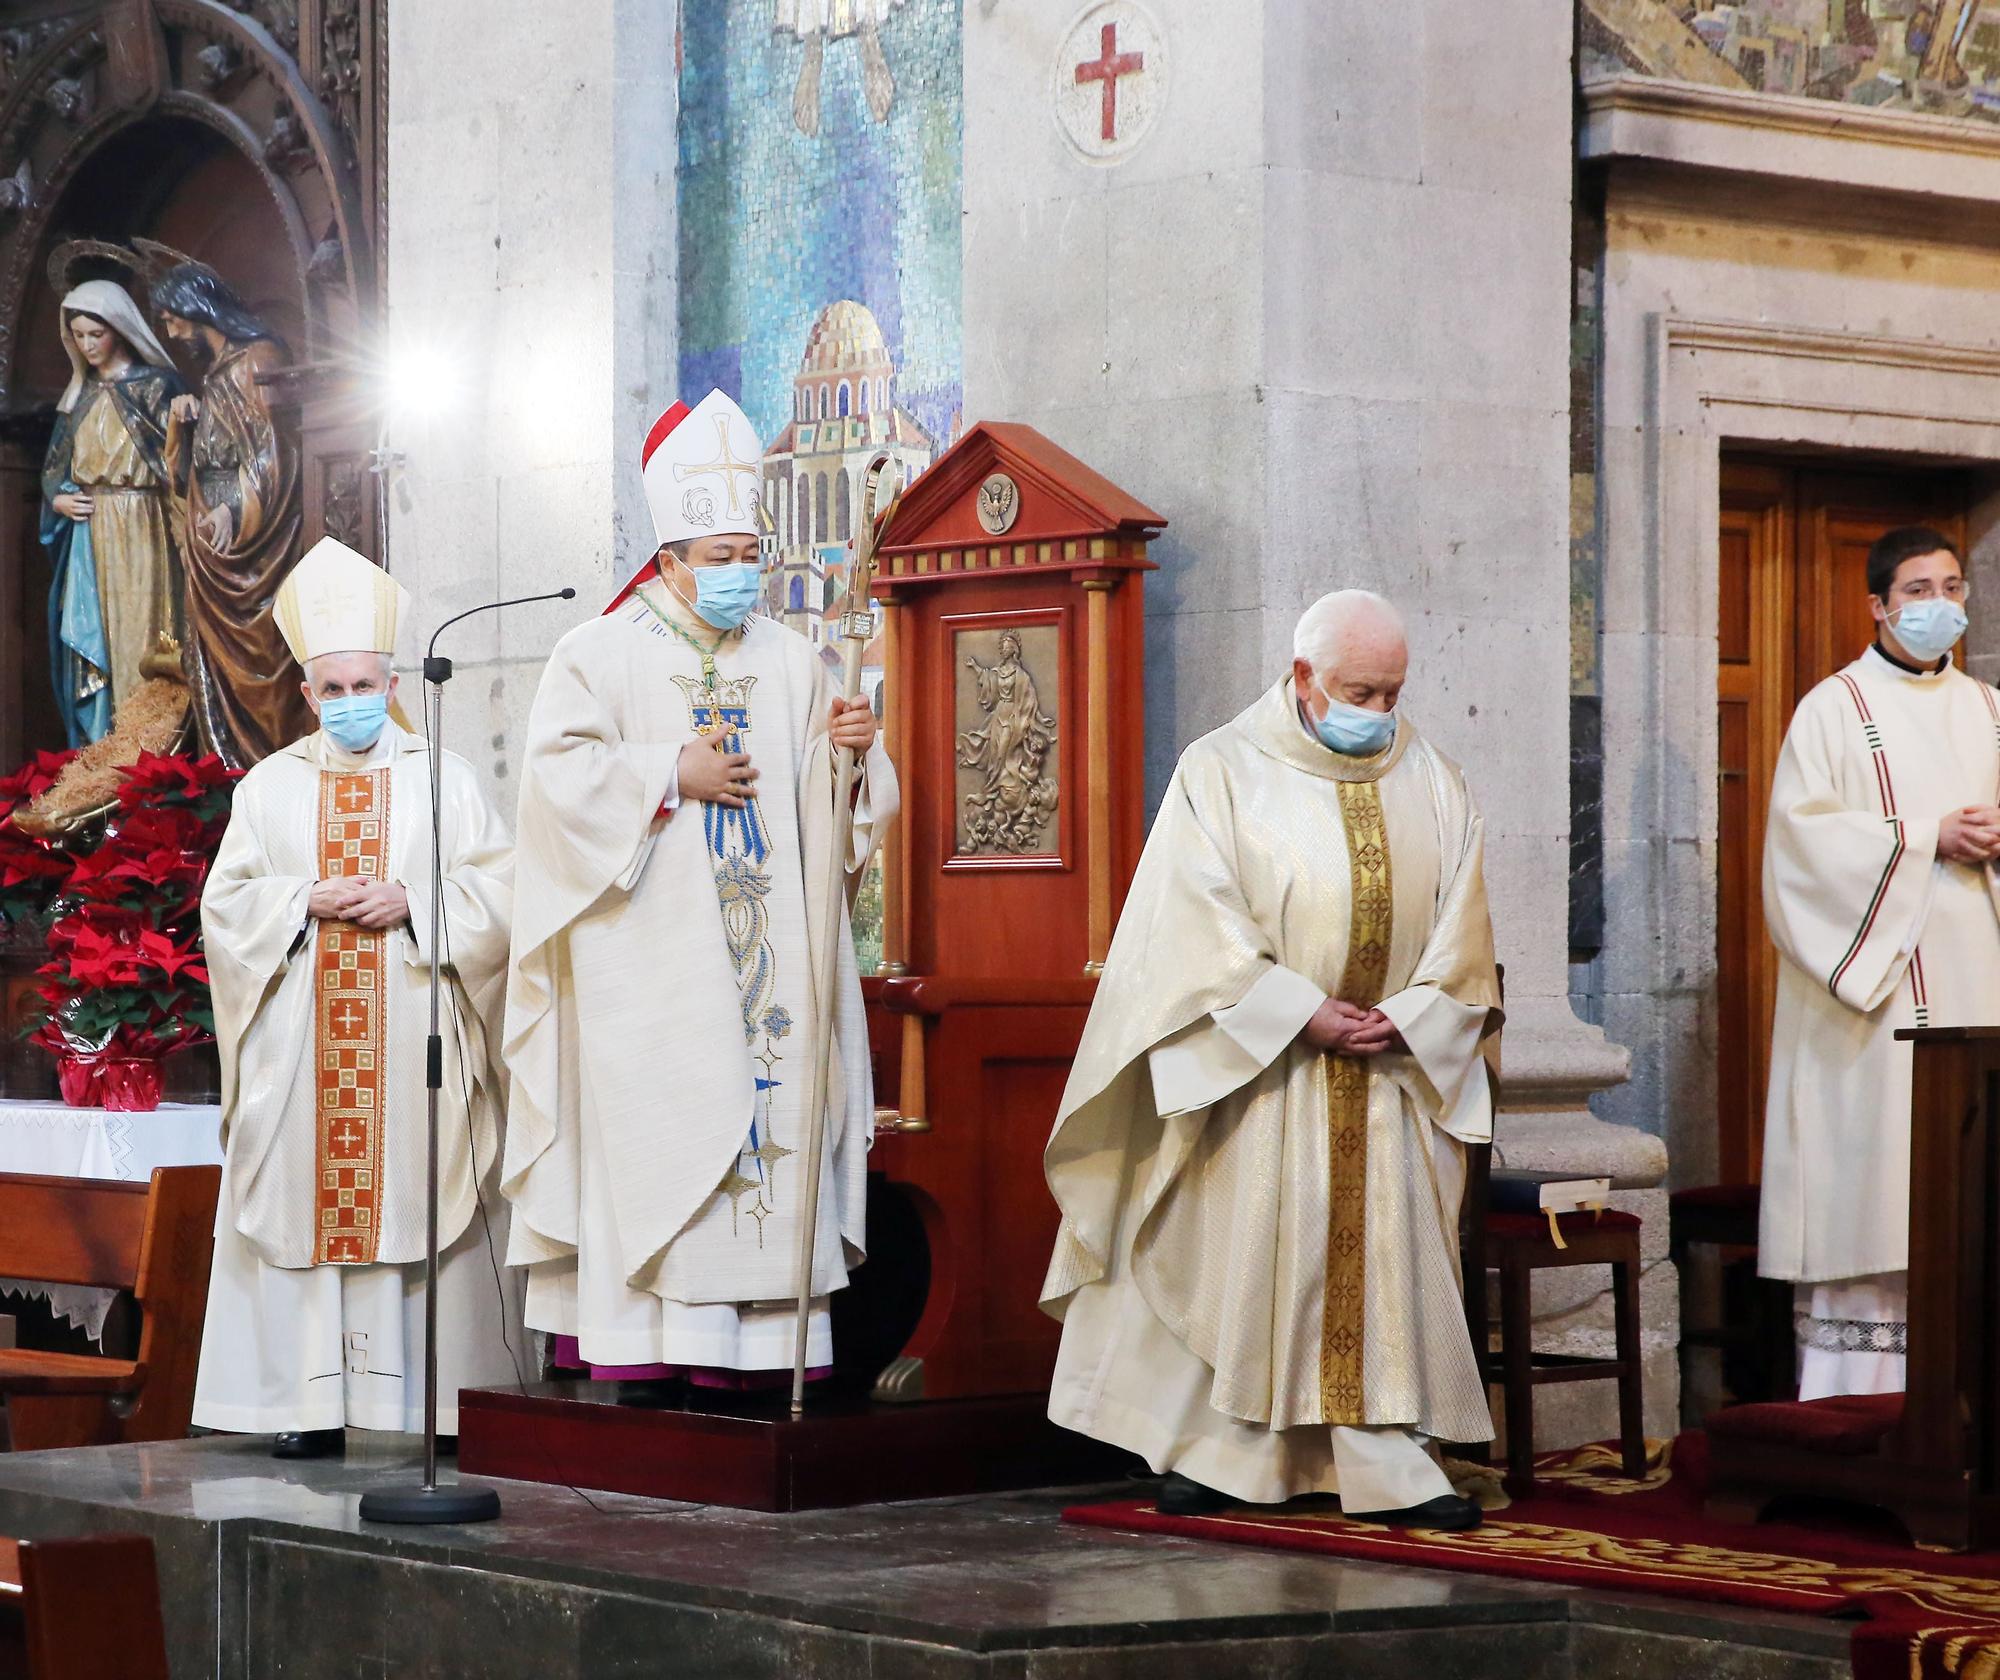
(1927, 1616)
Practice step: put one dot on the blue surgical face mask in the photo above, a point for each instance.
(1929, 629)
(724, 596)
(1354, 730)
(355, 721)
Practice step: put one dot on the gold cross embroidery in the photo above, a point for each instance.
(724, 463)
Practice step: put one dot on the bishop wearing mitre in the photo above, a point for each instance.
(1260, 1152)
(316, 920)
(1879, 891)
(675, 819)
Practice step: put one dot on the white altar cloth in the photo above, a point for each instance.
(62, 1142)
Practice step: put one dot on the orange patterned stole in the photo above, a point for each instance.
(349, 1030)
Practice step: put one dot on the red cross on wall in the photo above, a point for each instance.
(1107, 68)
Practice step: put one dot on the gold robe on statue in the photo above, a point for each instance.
(1260, 1241)
(245, 686)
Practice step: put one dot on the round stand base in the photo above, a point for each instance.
(453, 1502)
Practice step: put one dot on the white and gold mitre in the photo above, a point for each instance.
(703, 470)
(337, 601)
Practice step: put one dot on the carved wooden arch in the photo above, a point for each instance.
(123, 62)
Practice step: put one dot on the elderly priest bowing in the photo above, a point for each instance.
(676, 829)
(1260, 1153)
(316, 919)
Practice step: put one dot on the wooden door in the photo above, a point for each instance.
(1792, 609)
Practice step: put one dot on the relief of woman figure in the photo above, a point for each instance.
(117, 589)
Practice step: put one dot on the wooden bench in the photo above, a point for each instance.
(85, 1609)
(155, 1240)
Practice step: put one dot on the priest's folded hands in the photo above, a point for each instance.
(1346, 1029)
(374, 904)
(1971, 835)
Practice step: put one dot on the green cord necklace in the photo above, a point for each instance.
(709, 679)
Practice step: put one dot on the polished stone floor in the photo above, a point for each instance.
(267, 1570)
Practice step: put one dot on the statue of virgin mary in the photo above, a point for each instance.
(116, 599)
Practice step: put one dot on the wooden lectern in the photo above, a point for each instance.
(1933, 1459)
(1012, 683)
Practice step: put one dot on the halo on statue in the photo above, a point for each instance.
(144, 259)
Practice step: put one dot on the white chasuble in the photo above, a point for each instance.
(1260, 1242)
(322, 1027)
(1874, 933)
(661, 1008)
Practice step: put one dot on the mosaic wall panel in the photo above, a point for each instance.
(820, 193)
(1940, 56)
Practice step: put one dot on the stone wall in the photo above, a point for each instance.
(531, 162)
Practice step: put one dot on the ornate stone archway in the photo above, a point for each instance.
(296, 89)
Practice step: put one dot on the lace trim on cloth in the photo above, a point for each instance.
(1851, 1335)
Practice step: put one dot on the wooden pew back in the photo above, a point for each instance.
(156, 1240)
(84, 1609)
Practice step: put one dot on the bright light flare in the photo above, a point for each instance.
(419, 381)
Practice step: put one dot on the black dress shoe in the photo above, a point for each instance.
(1447, 1512)
(310, 1443)
(652, 1391)
(1182, 1497)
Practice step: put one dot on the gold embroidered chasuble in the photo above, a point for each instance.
(322, 1025)
(1288, 1219)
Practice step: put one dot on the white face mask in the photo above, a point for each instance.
(1929, 629)
(1354, 731)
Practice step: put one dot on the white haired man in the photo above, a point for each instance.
(316, 921)
(1260, 1153)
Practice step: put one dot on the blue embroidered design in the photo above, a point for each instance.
(739, 848)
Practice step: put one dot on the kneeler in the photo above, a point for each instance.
(1932, 1454)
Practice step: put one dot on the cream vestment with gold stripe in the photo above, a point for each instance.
(1260, 1241)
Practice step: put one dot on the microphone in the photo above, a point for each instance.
(438, 670)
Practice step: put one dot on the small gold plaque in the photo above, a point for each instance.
(999, 505)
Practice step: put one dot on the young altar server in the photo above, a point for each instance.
(317, 922)
(1880, 898)
(1259, 1156)
(676, 810)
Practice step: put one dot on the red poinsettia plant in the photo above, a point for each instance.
(126, 976)
(31, 869)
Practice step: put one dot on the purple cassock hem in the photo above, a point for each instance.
(568, 1357)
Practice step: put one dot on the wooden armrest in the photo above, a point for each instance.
(30, 1371)
(10, 1566)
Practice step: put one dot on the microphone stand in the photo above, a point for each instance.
(461, 1502)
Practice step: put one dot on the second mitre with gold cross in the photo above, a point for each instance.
(316, 919)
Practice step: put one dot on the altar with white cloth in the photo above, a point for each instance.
(61, 1142)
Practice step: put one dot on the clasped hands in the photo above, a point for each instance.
(729, 779)
(1970, 835)
(1346, 1029)
(350, 898)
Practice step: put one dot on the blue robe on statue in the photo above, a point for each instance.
(79, 656)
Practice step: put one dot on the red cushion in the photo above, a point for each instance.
(1718, 1198)
(1527, 1226)
(1848, 1424)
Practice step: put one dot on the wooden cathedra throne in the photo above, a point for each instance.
(1012, 679)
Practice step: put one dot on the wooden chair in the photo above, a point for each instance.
(155, 1240)
(85, 1609)
(1516, 1246)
